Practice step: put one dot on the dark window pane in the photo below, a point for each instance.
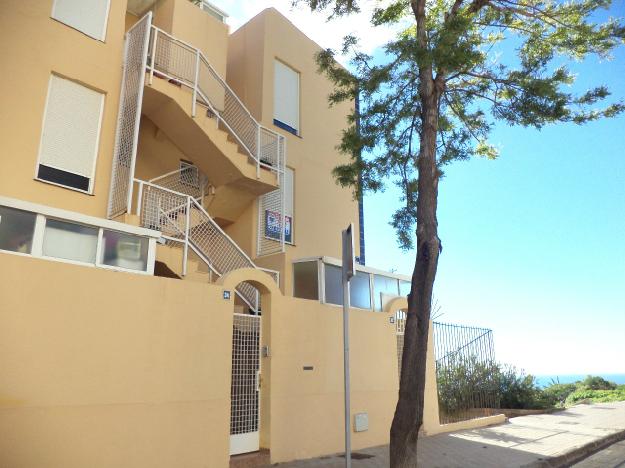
(16, 229)
(63, 178)
(284, 126)
(305, 280)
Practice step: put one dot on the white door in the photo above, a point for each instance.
(245, 387)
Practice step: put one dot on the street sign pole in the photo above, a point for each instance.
(349, 269)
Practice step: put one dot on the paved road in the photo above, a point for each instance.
(610, 457)
(521, 441)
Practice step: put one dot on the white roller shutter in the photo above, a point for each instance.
(286, 96)
(71, 127)
(87, 16)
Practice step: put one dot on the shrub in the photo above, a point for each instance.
(596, 383)
(595, 396)
(557, 393)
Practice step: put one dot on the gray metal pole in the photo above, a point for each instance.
(348, 440)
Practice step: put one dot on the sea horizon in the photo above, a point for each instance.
(544, 380)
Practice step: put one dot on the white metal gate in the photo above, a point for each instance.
(400, 327)
(245, 387)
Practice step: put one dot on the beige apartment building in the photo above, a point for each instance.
(169, 229)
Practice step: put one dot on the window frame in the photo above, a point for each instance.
(44, 213)
(96, 146)
(321, 275)
(104, 26)
(277, 122)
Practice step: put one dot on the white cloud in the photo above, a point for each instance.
(328, 34)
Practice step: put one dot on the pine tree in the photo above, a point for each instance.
(456, 67)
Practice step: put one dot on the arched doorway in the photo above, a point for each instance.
(245, 383)
(249, 399)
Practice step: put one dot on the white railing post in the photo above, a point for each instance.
(185, 253)
(137, 117)
(139, 198)
(195, 81)
(153, 53)
(258, 151)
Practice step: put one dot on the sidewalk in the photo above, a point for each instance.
(526, 440)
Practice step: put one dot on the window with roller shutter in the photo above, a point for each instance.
(70, 134)
(87, 16)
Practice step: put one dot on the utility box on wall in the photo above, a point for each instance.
(361, 422)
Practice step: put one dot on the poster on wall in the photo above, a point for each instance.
(272, 226)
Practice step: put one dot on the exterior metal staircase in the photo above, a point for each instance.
(172, 204)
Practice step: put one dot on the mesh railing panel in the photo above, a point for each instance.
(174, 58)
(179, 61)
(245, 367)
(221, 251)
(166, 211)
(271, 221)
(271, 148)
(188, 180)
(400, 327)
(135, 56)
(163, 211)
(465, 364)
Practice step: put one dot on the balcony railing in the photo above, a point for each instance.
(182, 219)
(187, 66)
(162, 55)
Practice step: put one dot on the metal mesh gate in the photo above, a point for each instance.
(271, 205)
(400, 327)
(135, 57)
(244, 392)
(465, 360)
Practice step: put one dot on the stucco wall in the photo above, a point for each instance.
(112, 369)
(189, 23)
(32, 46)
(101, 368)
(321, 208)
(105, 369)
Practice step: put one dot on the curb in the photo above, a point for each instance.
(579, 453)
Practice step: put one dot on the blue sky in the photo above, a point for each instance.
(534, 242)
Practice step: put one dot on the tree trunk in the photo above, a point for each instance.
(409, 411)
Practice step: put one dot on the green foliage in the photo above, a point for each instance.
(556, 394)
(466, 383)
(455, 56)
(596, 383)
(596, 396)
(518, 390)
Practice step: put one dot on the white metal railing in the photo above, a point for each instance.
(188, 180)
(180, 218)
(186, 65)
